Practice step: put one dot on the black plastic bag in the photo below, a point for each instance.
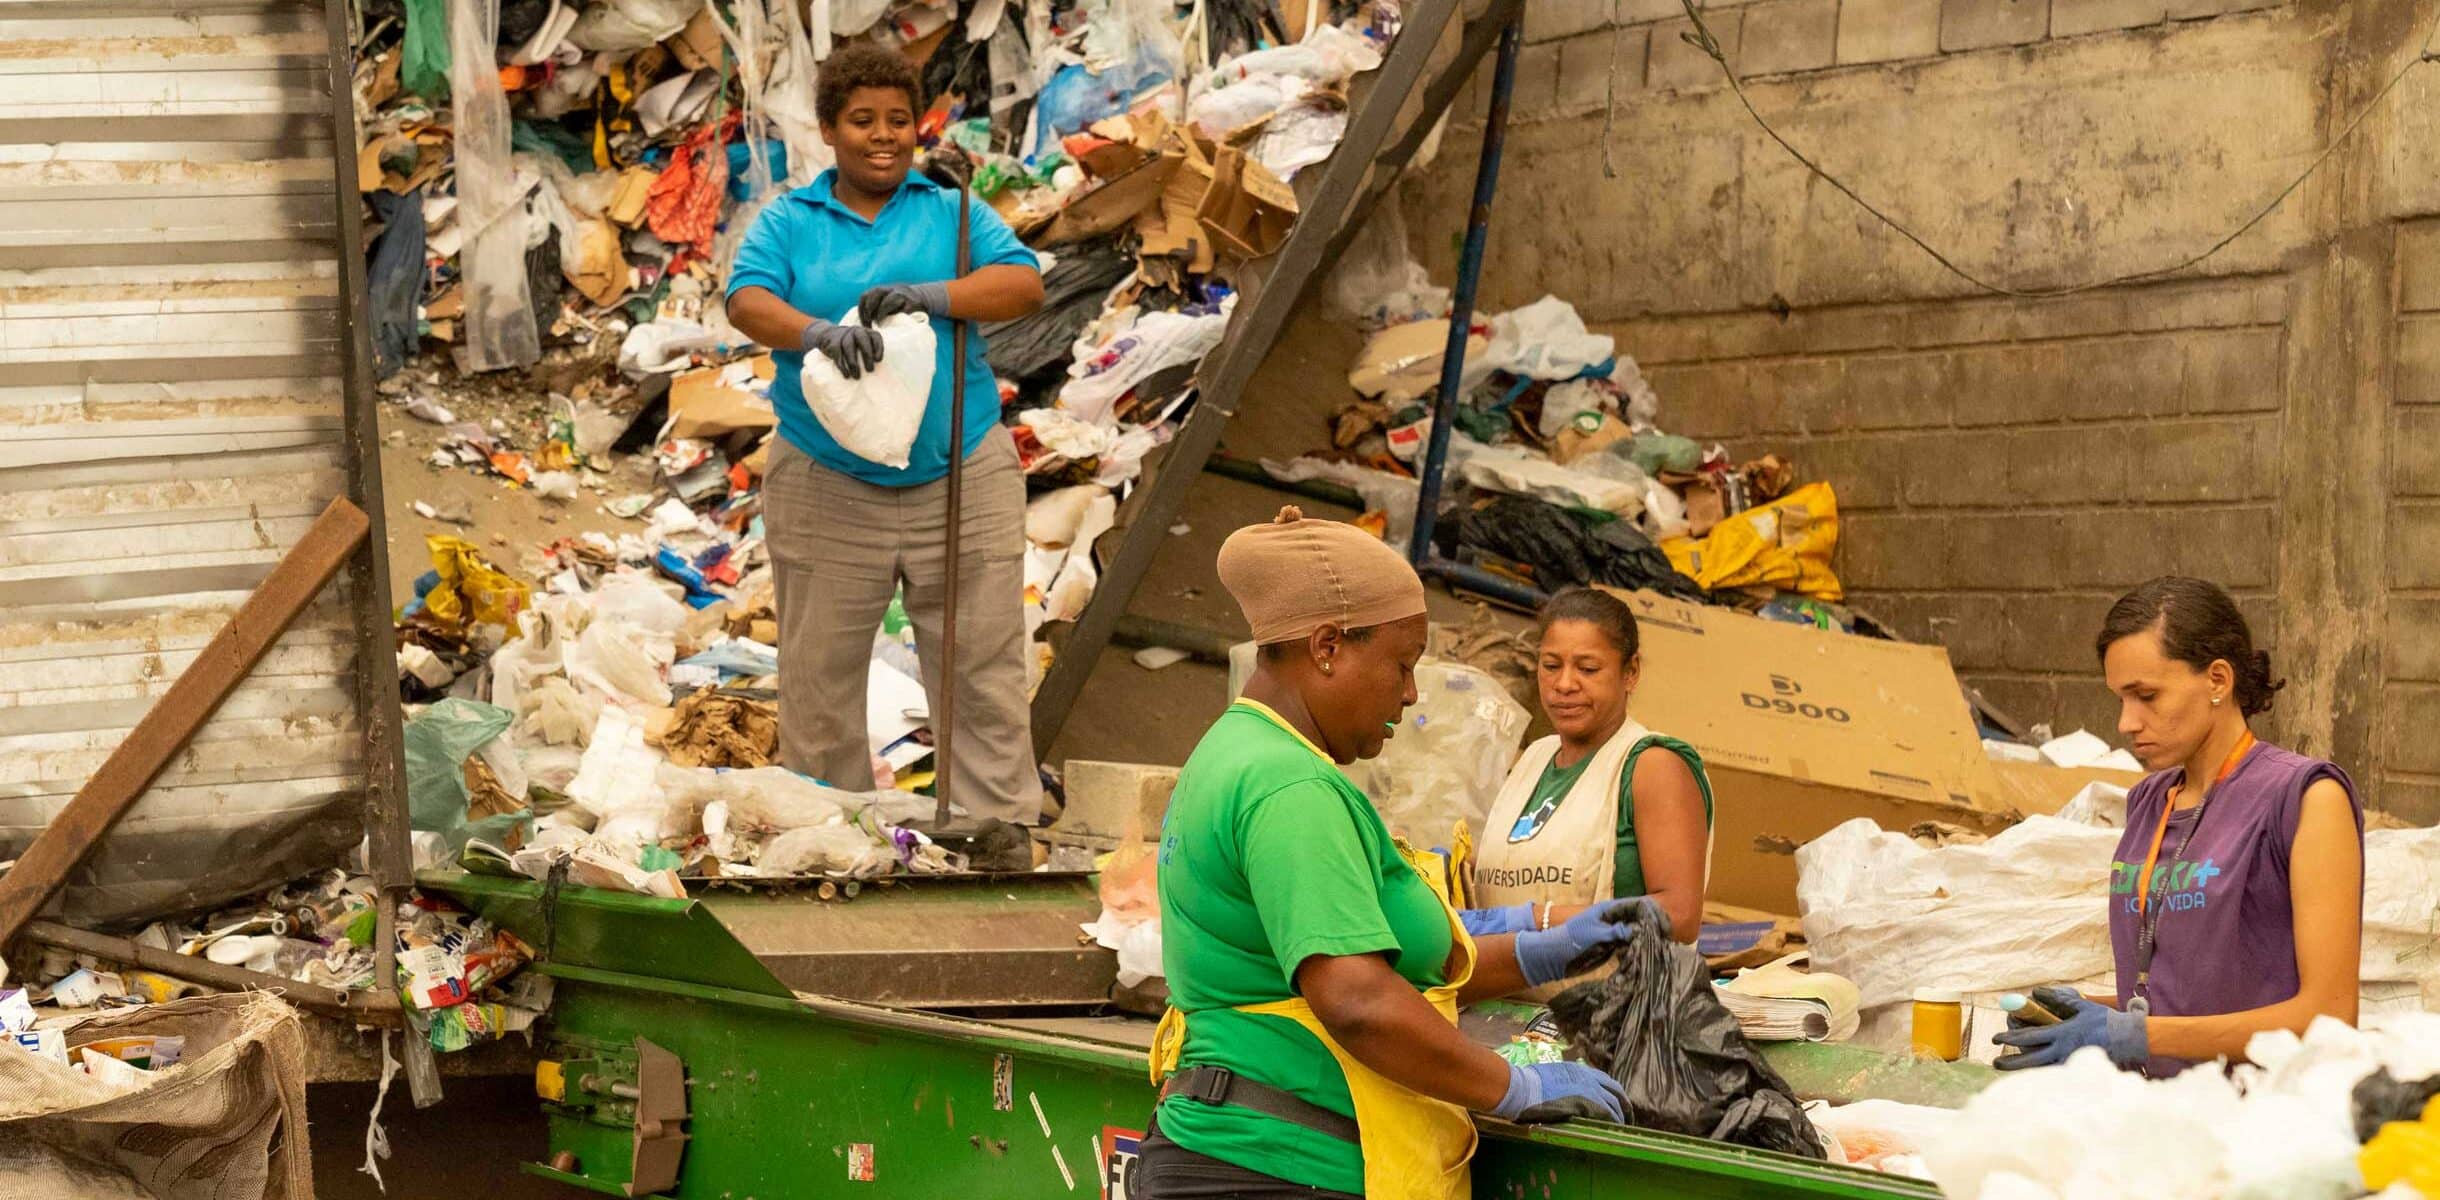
(2380, 1098)
(1657, 1028)
(1564, 553)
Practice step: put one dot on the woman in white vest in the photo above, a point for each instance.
(1587, 815)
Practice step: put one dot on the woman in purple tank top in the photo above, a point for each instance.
(2237, 891)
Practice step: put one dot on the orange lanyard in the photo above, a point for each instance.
(2143, 882)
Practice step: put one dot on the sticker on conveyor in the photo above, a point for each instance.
(1003, 1083)
(1036, 1101)
(1116, 1170)
(860, 1162)
(1064, 1173)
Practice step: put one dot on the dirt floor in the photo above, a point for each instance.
(510, 523)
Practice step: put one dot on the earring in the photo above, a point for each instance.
(2215, 700)
(1326, 671)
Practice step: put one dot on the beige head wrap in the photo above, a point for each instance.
(1294, 576)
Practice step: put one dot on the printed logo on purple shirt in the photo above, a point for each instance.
(2179, 886)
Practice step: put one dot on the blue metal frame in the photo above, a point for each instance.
(1461, 304)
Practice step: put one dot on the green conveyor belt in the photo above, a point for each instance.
(789, 1094)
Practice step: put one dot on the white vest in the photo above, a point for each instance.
(1572, 858)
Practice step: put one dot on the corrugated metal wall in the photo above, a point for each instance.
(171, 419)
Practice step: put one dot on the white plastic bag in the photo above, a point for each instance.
(876, 416)
(1521, 472)
(2027, 908)
(1395, 496)
(1378, 283)
(622, 662)
(1561, 404)
(616, 773)
(1223, 111)
(633, 597)
(1152, 343)
(1138, 944)
(630, 24)
(1876, 1133)
(1545, 340)
(1664, 513)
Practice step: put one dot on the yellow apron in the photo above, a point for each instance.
(1415, 1147)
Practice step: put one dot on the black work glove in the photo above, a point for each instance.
(891, 299)
(854, 349)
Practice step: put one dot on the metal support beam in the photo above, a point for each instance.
(386, 847)
(1482, 34)
(1222, 378)
(1461, 302)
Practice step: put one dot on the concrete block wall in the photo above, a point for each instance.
(1585, 49)
(2006, 466)
(2006, 469)
(2410, 636)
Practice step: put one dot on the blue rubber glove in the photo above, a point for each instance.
(1483, 922)
(1543, 955)
(1546, 1092)
(890, 299)
(2081, 1023)
(853, 350)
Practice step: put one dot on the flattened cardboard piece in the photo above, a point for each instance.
(1801, 730)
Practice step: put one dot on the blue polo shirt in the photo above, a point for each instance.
(812, 251)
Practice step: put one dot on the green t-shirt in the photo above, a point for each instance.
(1269, 856)
(1627, 871)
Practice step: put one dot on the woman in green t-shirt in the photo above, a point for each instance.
(1586, 815)
(1314, 970)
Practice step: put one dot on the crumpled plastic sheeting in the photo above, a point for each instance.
(554, 713)
(499, 327)
(1138, 944)
(629, 24)
(1521, 472)
(437, 743)
(2026, 908)
(2086, 1128)
(1656, 1027)
(2030, 906)
(849, 18)
(1451, 755)
(1394, 496)
(827, 850)
(1545, 340)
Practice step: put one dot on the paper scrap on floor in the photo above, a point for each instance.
(894, 706)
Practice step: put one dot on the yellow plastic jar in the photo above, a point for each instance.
(1940, 1019)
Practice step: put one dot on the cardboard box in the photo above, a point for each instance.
(1802, 730)
(2039, 788)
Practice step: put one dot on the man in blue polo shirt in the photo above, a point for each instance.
(845, 533)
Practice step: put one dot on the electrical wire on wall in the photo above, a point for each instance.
(1701, 38)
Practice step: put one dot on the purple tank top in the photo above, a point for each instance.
(2227, 940)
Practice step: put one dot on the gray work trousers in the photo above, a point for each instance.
(839, 548)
